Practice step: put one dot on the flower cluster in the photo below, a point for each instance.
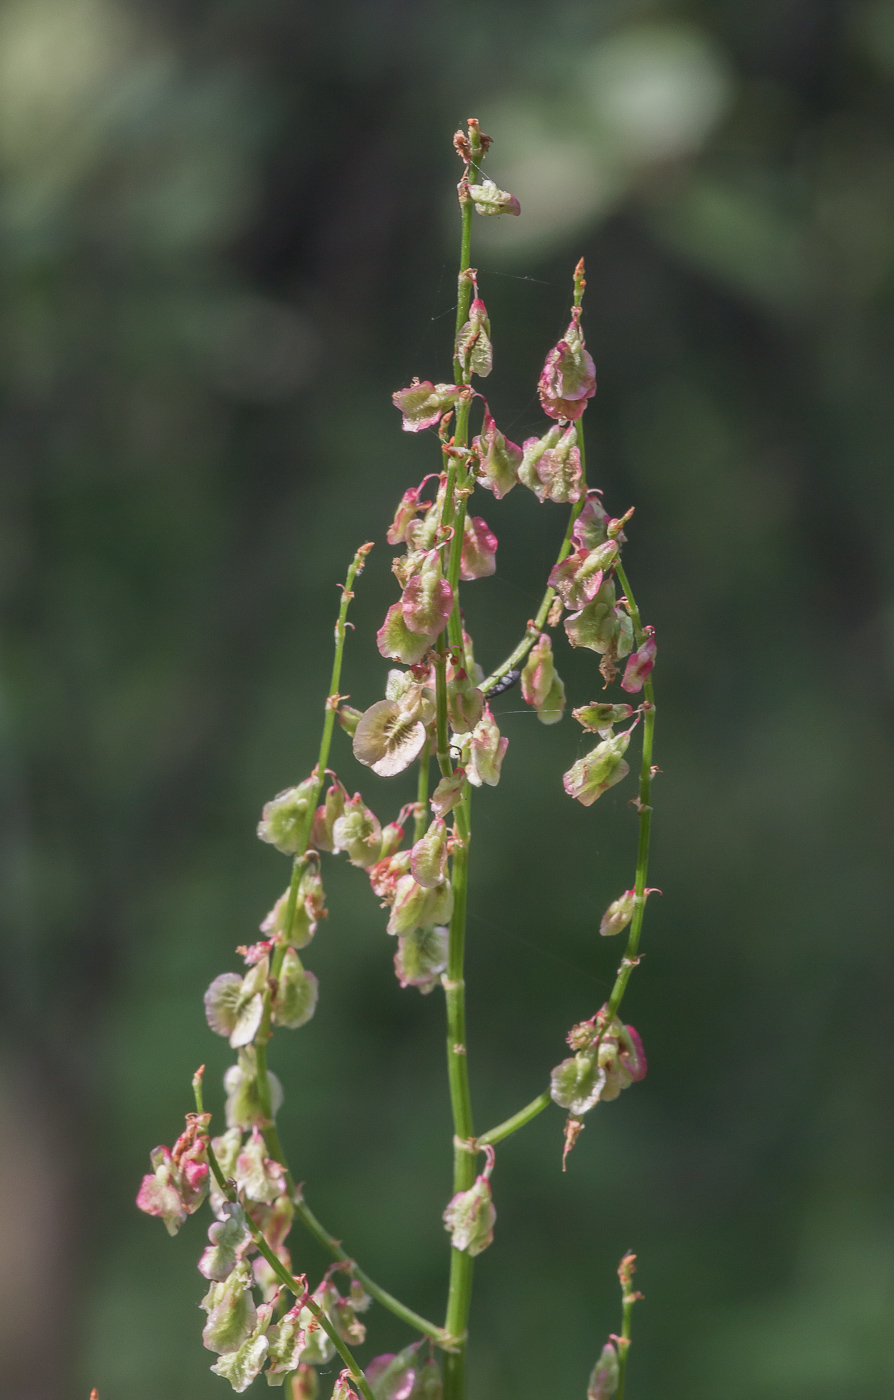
(435, 706)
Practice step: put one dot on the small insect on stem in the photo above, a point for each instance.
(506, 683)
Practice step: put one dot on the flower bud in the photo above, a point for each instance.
(640, 664)
(319, 1350)
(600, 716)
(568, 378)
(470, 1217)
(598, 770)
(388, 739)
(465, 703)
(310, 908)
(275, 1221)
(409, 904)
(490, 200)
(394, 638)
(473, 347)
(178, 1183)
(590, 526)
(286, 819)
(618, 914)
(230, 1240)
(479, 553)
(347, 1324)
(288, 1339)
(422, 405)
(483, 752)
(409, 507)
(559, 470)
(428, 859)
(532, 450)
(605, 1376)
(449, 793)
(343, 1390)
(242, 1366)
(234, 1005)
(305, 1383)
(541, 685)
(499, 459)
(417, 907)
(348, 717)
(358, 832)
(232, 1316)
(601, 625)
(579, 577)
(428, 598)
(421, 957)
(241, 1084)
(577, 1083)
(296, 994)
(392, 835)
(328, 814)
(385, 875)
(393, 1377)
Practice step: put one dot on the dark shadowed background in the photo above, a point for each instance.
(228, 232)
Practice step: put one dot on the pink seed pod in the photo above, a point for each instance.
(499, 459)
(479, 552)
(568, 378)
(640, 663)
(423, 405)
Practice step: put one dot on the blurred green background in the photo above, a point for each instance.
(228, 232)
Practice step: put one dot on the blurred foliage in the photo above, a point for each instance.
(226, 235)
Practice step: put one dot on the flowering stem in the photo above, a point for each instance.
(296, 1286)
(329, 1242)
(279, 951)
(518, 1120)
(420, 820)
(536, 626)
(322, 1236)
(629, 1296)
(441, 701)
(459, 1294)
(629, 960)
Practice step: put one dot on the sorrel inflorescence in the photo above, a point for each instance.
(261, 1316)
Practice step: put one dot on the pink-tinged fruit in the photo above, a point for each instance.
(499, 458)
(423, 404)
(490, 200)
(568, 378)
(479, 552)
(483, 752)
(598, 770)
(605, 1376)
(640, 664)
(541, 685)
(470, 1217)
(428, 598)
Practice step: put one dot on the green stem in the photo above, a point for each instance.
(331, 1244)
(629, 1296)
(464, 286)
(296, 1286)
(444, 761)
(628, 962)
(420, 820)
(329, 709)
(459, 1295)
(333, 1247)
(518, 1120)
